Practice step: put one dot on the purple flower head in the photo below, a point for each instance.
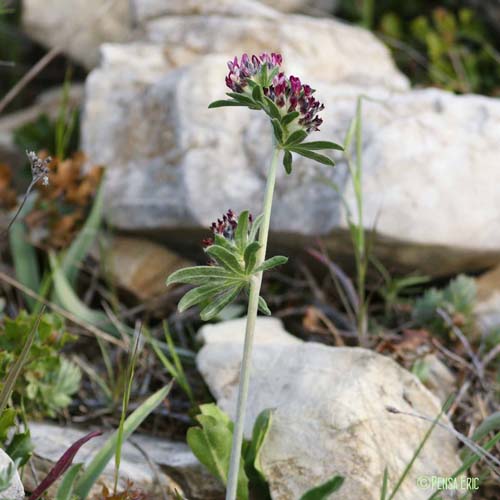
(248, 68)
(225, 227)
(289, 94)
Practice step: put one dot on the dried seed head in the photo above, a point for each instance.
(39, 167)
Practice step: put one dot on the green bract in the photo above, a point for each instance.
(234, 266)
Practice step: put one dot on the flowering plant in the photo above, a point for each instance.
(258, 83)
(237, 250)
(233, 261)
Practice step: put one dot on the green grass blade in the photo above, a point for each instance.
(24, 254)
(489, 424)
(82, 243)
(383, 492)
(99, 462)
(65, 490)
(71, 302)
(125, 402)
(177, 362)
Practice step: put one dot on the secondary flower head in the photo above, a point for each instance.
(225, 227)
(289, 95)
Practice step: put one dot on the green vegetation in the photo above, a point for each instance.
(443, 44)
(47, 381)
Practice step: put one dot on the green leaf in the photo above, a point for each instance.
(257, 93)
(219, 303)
(385, 480)
(324, 491)
(6, 475)
(225, 258)
(271, 75)
(211, 444)
(65, 490)
(101, 459)
(287, 162)
(250, 256)
(296, 137)
(20, 448)
(489, 424)
(72, 303)
(224, 103)
(313, 156)
(198, 275)
(278, 260)
(278, 130)
(202, 294)
(80, 246)
(289, 118)
(321, 145)
(223, 242)
(272, 109)
(7, 420)
(241, 234)
(212, 410)
(263, 307)
(241, 98)
(259, 434)
(255, 227)
(24, 254)
(263, 75)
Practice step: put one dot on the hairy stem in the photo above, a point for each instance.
(253, 303)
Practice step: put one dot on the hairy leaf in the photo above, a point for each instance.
(225, 258)
(263, 307)
(278, 260)
(202, 294)
(296, 137)
(219, 303)
(224, 103)
(278, 130)
(315, 145)
(198, 275)
(211, 443)
(313, 156)
(250, 256)
(241, 234)
(287, 162)
(287, 119)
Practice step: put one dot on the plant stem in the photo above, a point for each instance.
(360, 230)
(253, 304)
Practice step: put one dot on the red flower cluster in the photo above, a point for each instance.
(288, 93)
